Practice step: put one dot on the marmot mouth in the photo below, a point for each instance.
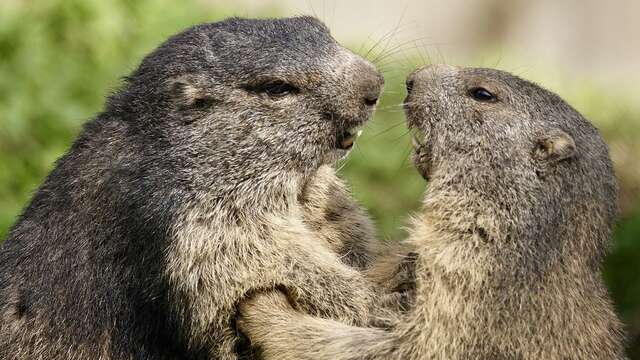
(422, 153)
(347, 138)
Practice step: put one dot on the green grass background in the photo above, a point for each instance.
(59, 58)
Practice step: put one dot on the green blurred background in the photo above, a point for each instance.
(58, 60)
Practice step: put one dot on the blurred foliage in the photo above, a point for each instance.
(59, 58)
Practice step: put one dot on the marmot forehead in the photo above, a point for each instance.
(453, 87)
(447, 77)
(301, 34)
(238, 49)
(278, 28)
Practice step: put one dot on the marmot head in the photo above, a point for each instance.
(242, 100)
(515, 172)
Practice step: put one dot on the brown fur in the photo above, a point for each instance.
(514, 226)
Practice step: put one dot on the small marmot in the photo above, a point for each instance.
(516, 221)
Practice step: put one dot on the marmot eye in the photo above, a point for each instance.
(482, 94)
(277, 88)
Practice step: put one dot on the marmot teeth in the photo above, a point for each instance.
(349, 137)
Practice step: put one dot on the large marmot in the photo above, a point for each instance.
(196, 185)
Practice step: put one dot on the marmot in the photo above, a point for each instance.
(195, 186)
(516, 220)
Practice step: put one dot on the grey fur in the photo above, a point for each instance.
(188, 192)
(516, 220)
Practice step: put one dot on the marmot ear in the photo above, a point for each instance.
(555, 146)
(188, 92)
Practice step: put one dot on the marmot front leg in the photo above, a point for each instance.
(319, 283)
(283, 333)
(393, 274)
(334, 215)
(283, 254)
